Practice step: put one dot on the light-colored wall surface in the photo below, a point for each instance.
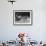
(38, 30)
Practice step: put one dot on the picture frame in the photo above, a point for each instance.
(22, 17)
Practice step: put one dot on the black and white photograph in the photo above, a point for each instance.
(22, 16)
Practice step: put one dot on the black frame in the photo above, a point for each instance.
(23, 11)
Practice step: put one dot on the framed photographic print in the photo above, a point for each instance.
(22, 17)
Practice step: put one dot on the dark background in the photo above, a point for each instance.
(22, 14)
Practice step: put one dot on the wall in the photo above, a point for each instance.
(37, 31)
